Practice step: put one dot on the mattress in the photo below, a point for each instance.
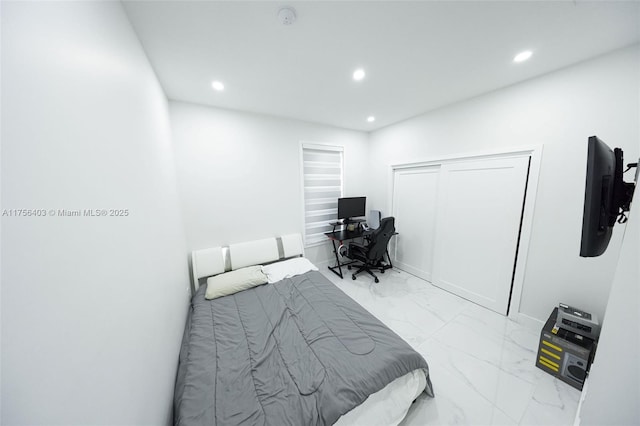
(294, 352)
(388, 406)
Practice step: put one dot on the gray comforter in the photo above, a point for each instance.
(297, 352)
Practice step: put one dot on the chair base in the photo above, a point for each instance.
(365, 267)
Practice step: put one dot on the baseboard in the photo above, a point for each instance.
(324, 263)
(528, 321)
(411, 270)
(577, 420)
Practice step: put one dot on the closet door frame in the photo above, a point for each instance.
(535, 154)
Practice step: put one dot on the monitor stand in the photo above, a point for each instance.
(349, 220)
(351, 224)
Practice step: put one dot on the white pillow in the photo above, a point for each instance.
(235, 281)
(287, 269)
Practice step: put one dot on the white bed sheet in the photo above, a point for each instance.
(389, 405)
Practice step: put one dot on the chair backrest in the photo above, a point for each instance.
(379, 239)
(373, 220)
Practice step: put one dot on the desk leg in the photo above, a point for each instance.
(390, 265)
(338, 265)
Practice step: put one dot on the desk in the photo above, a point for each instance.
(344, 235)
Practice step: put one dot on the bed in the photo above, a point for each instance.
(293, 351)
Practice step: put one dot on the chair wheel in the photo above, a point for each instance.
(349, 267)
(376, 280)
(382, 271)
(353, 277)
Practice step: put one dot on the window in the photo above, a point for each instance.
(322, 185)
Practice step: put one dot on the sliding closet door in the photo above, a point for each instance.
(478, 222)
(414, 200)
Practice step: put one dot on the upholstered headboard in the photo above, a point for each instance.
(253, 253)
(216, 260)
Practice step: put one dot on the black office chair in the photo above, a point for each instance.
(372, 255)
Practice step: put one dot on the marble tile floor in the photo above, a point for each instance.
(482, 364)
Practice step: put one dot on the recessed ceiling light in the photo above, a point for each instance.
(522, 56)
(371, 119)
(217, 86)
(287, 15)
(358, 74)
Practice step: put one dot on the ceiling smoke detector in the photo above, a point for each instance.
(287, 15)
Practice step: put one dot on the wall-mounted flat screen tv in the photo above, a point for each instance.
(606, 197)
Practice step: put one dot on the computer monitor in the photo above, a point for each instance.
(351, 207)
(606, 197)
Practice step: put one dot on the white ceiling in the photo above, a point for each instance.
(418, 55)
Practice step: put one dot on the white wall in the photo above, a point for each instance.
(559, 110)
(93, 308)
(239, 173)
(613, 389)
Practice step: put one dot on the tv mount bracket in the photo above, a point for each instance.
(623, 191)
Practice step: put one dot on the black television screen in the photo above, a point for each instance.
(606, 197)
(351, 207)
(598, 199)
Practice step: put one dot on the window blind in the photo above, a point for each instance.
(323, 185)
